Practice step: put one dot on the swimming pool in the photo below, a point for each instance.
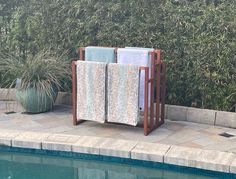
(24, 165)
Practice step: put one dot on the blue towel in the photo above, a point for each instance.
(140, 57)
(100, 54)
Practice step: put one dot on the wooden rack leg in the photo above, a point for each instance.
(74, 82)
(152, 92)
(81, 53)
(163, 92)
(158, 89)
(145, 126)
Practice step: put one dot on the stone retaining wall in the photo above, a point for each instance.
(204, 116)
(172, 112)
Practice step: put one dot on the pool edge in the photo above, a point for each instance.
(124, 150)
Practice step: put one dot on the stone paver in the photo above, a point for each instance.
(183, 156)
(29, 140)
(221, 117)
(233, 166)
(60, 142)
(198, 158)
(192, 144)
(201, 116)
(180, 133)
(149, 151)
(7, 136)
(87, 144)
(116, 148)
(215, 160)
(178, 113)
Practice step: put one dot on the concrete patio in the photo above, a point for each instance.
(180, 133)
(176, 142)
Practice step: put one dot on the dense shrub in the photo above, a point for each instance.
(197, 38)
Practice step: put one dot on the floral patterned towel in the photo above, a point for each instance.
(123, 93)
(91, 79)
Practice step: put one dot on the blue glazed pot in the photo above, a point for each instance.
(34, 101)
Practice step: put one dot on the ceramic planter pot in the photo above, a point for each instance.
(34, 101)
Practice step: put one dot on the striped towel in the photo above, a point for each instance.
(136, 56)
(91, 90)
(100, 54)
(123, 93)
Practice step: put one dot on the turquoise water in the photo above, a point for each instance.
(35, 166)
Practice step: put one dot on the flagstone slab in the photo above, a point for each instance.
(233, 166)
(88, 145)
(177, 113)
(31, 140)
(117, 148)
(59, 142)
(6, 137)
(226, 119)
(203, 116)
(198, 158)
(149, 151)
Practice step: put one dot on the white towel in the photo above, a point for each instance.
(123, 93)
(141, 57)
(91, 90)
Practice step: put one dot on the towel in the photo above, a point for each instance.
(91, 90)
(100, 54)
(122, 93)
(138, 48)
(137, 56)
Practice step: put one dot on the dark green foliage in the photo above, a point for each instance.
(197, 37)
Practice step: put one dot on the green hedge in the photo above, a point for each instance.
(197, 38)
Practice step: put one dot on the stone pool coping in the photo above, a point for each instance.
(152, 152)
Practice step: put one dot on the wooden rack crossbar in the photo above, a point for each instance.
(158, 68)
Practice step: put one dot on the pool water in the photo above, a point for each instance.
(15, 165)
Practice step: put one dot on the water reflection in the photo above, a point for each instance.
(23, 166)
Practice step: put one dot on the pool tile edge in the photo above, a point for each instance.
(116, 148)
(153, 152)
(199, 158)
(59, 142)
(31, 140)
(149, 152)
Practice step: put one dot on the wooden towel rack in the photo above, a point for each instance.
(157, 80)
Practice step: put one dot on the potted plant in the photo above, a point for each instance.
(38, 79)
